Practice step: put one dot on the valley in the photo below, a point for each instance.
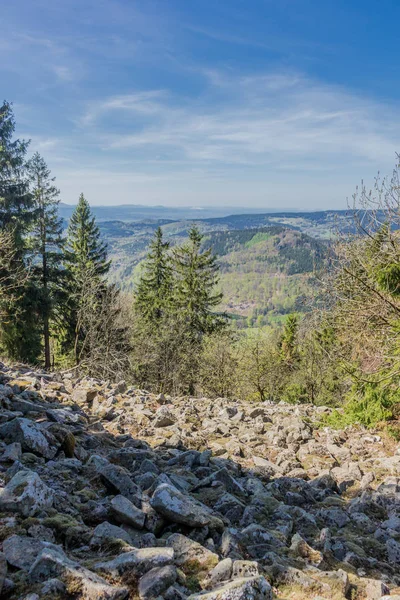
(267, 261)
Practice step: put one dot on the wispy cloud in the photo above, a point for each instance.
(268, 120)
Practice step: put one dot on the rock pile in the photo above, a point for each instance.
(110, 492)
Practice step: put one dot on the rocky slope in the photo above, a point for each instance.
(110, 492)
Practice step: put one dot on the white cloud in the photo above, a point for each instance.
(264, 121)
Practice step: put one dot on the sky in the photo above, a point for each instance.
(245, 103)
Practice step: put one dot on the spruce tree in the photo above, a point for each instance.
(84, 248)
(154, 287)
(288, 342)
(15, 199)
(195, 295)
(86, 263)
(19, 333)
(46, 247)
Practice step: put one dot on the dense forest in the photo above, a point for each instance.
(173, 332)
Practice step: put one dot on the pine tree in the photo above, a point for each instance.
(46, 246)
(288, 342)
(197, 276)
(84, 247)
(19, 334)
(15, 199)
(154, 288)
(86, 261)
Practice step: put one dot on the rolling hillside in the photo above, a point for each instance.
(266, 272)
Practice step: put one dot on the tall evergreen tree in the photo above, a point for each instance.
(46, 246)
(154, 288)
(15, 199)
(19, 333)
(84, 248)
(86, 261)
(195, 295)
(288, 342)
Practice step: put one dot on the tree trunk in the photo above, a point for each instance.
(46, 335)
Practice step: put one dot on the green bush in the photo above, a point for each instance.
(369, 406)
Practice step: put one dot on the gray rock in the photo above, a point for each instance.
(52, 564)
(250, 588)
(118, 480)
(335, 517)
(124, 511)
(221, 572)
(156, 582)
(21, 552)
(244, 568)
(3, 571)
(28, 434)
(179, 508)
(393, 551)
(375, 589)
(26, 494)
(53, 587)
(106, 532)
(12, 452)
(137, 562)
(164, 417)
(188, 552)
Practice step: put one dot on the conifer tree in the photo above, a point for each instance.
(19, 333)
(288, 342)
(87, 264)
(154, 288)
(195, 295)
(46, 246)
(15, 199)
(84, 247)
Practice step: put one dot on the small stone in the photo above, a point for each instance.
(244, 568)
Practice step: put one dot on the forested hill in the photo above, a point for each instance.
(266, 272)
(286, 249)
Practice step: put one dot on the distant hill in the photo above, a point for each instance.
(268, 272)
(138, 212)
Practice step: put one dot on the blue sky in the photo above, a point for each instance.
(257, 103)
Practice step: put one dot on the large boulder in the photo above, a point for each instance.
(136, 562)
(22, 551)
(124, 511)
(29, 435)
(180, 508)
(156, 581)
(118, 480)
(164, 417)
(26, 494)
(106, 532)
(248, 588)
(54, 563)
(191, 554)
